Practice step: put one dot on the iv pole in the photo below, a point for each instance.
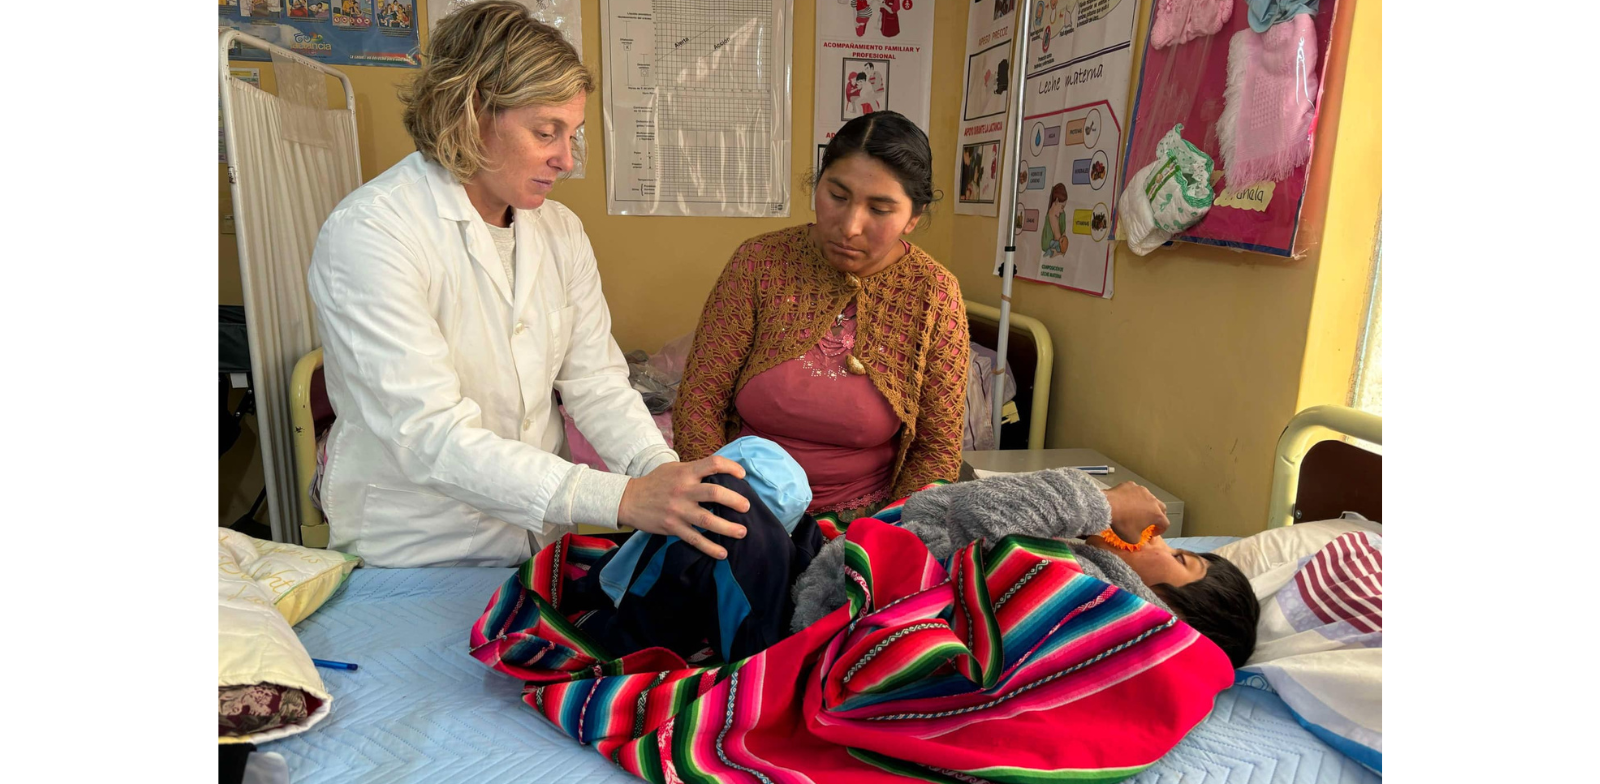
(1019, 70)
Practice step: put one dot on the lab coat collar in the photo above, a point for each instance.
(448, 196)
(450, 199)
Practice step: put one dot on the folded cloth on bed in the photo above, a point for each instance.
(267, 687)
(1319, 644)
(1008, 664)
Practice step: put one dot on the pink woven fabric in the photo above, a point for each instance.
(1271, 102)
(1182, 21)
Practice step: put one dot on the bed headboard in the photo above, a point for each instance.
(1031, 356)
(1315, 478)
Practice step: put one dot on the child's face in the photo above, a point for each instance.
(1157, 562)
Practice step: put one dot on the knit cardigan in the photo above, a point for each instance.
(777, 297)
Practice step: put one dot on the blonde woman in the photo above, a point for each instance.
(455, 300)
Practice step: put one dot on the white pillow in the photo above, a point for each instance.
(299, 579)
(1319, 644)
(256, 647)
(1258, 554)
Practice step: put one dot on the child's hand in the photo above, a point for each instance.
(1133, 509)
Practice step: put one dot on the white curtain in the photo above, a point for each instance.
(294, 160)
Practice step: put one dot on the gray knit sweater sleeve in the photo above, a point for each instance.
(1059, 503)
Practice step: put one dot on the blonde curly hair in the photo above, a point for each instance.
(486, 57)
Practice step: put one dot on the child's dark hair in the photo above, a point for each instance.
(894, 141)
(1222, 606)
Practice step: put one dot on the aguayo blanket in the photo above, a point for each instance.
(1010, 665)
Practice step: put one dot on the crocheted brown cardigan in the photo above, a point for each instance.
(774, 301)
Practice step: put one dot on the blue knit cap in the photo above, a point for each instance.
(775, 477)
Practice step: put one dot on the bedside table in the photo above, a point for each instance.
(1020, 461)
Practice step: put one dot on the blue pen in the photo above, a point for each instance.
(333, 665)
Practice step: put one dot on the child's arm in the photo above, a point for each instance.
(1059, 503)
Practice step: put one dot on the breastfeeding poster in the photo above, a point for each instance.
(337, 32)
(1074, 112)
(985, 98)
(872, 55)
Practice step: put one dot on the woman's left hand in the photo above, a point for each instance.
(668, 501)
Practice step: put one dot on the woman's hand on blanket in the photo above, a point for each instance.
(667, 501)
(1133, 509)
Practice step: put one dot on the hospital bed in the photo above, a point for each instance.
(420, 709)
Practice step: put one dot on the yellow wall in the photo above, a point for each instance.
(1186, 376)
(1352, 200)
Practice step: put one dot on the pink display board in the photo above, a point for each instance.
(1185, 84)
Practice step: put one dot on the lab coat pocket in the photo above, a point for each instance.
(560, 339)
(416, 527)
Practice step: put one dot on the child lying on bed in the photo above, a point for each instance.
(1204, 590)
(650, 593)
(888, 694)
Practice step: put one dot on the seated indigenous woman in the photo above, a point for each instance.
(839, 340)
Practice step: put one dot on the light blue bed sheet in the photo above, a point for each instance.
(421, 709)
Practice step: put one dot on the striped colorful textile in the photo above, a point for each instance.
(1343, 582)
(1007, 666)
(834, 527)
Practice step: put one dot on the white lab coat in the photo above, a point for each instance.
(445, 450)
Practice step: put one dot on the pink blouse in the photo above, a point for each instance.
(837, 426)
